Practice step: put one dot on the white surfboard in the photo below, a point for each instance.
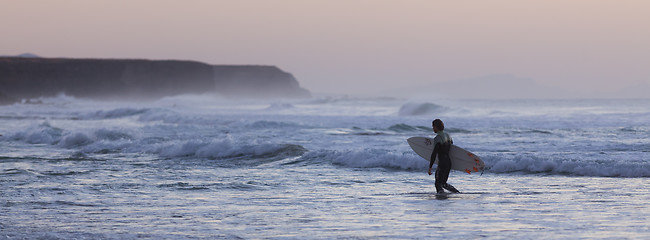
(461, 159)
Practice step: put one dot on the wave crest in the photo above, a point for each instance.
(568, 167)
(227, 148)
(419, 109)
(367, 158)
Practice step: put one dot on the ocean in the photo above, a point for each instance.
(203, 167)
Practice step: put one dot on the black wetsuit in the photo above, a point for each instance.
(441, 148)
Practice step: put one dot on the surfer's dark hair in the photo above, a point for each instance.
(438, 124)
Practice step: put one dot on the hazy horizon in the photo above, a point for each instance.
(561, 49)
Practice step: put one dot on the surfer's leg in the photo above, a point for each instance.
(438, 181)
(442, 174)
(450, 188)
(446, 185)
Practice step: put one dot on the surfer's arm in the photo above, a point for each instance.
(433, 157)
(434, 154)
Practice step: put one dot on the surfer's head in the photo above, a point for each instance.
(438, 125)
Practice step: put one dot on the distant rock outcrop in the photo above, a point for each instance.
(25, 78)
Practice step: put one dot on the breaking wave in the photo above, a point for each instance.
(419, 109)
(226, 148)
(367, 158)
(115, 113)
(573, 167)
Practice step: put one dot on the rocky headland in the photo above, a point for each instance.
(132, 79)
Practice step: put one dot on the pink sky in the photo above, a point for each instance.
(355, 47)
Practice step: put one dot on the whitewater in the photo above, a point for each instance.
(205, 167)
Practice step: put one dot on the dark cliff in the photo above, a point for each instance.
(25, 78)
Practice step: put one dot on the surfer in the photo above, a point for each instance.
(442, 142)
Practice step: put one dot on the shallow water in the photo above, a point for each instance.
(324, 168)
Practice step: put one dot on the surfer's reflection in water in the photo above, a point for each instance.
(442, 142)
